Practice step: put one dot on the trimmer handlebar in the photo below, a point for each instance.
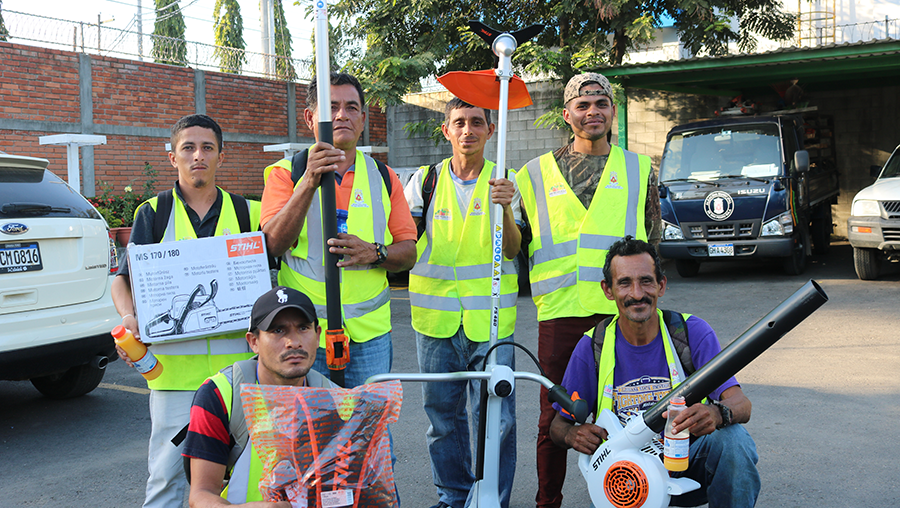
(577, 408)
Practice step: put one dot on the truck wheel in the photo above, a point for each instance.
(795, 264)
(687, 268)
(74, 382)
(867, 263)
(821, 232)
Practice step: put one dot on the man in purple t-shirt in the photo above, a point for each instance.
(722, 455)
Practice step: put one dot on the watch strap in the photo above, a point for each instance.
(381, 252)
(725, 411)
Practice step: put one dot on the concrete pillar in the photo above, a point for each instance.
(199, 92)
(86, 105)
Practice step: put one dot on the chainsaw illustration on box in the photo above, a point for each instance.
(192, 313)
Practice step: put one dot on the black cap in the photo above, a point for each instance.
(276, 300)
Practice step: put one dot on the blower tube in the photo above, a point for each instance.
(742, 351)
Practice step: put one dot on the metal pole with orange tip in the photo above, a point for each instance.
(337, 345)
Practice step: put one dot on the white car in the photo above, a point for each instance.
(57, 263)
(874, 224)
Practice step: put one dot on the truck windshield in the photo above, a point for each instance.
(892, 168)
(748, 150)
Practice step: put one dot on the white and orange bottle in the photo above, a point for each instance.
(143, 359)
(677, 446)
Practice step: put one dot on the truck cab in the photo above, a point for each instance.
(874, 224)
(744, 187)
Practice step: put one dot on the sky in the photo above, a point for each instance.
(198, 16)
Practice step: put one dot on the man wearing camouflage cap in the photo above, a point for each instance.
(579, 200)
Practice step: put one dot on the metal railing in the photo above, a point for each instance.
(94, 38)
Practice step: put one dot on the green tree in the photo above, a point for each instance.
(229, 36)
(3, 32)
(169, 46)
(284, 66)
(406, 40)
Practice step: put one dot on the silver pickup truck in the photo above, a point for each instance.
(874, 224)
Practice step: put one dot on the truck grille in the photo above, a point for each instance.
(722, 230)
(892, 208)
(891, 234)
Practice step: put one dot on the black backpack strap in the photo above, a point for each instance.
(385, 175)
(242, 211)
(428, 184)
(164, 202)
(298, 165)
(597, 341)
(677, 327)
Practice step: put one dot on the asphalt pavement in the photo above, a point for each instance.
(825, 402)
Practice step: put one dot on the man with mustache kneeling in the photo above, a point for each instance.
(632, 360)
(284, 334)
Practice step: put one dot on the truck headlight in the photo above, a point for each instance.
(779, 226)
(865, 208)
(672, 232)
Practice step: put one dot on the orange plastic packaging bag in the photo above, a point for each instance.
(324, 447)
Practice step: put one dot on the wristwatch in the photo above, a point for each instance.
(727, 415)
(381, 252)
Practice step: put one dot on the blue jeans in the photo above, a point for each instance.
(366, 359)
(445, 404)
(724, 464)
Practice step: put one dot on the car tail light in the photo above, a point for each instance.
(113, 256)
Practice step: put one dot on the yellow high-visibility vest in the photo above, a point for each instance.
(607, 365)
(451, 282)
(569, 243)
(188, 363)
(365, 294)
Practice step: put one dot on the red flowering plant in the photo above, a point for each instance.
(118, 209)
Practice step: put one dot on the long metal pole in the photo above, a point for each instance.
(488, 466)
(329, 205)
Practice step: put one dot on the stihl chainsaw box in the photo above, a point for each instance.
(196, 288)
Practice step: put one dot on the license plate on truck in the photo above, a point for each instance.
(20, 257)
(720, 249)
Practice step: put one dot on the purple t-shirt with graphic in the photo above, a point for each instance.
(641, 376)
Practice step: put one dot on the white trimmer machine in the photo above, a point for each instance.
(621, 473)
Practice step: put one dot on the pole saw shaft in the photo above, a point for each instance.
(337, 351)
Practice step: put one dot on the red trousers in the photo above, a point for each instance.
(556, 341)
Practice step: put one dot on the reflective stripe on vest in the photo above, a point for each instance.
(188, 363)
(451, 281)
(248, 469)
(607, 367)
(365, 294)
(569, 244)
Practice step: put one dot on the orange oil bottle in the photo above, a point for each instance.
(143, 359)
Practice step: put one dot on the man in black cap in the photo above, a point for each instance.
(284, 334)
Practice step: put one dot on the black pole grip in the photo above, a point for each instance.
(577, 408)
(329, 230)
(746, 348)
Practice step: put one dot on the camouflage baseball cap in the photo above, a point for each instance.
(573, 88)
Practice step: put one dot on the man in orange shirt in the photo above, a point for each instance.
(381, 233)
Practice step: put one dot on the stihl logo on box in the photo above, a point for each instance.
(244, 246)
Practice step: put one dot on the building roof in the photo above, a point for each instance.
(831, 67)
